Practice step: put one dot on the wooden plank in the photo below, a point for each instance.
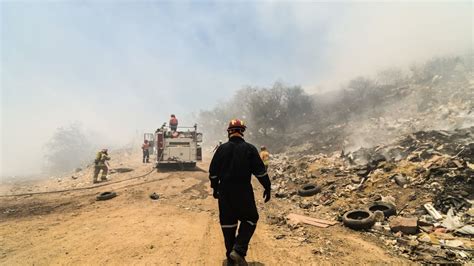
(296, 218)
(315, 224)
(321, 221)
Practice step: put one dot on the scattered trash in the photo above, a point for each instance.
(400, 180)
(466, 230)
(379, 217)
(388, 199)
(428, 238)
(378, 225)
(402, 209)
(447, 201)
(453, 243)
(452, 222)
(432, 211)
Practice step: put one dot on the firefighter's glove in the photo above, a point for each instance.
(267, 194)
(215, 194)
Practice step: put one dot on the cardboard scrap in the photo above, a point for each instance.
(296, 219)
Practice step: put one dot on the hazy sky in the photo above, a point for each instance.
(122, 67)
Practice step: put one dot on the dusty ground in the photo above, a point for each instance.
(180, 228)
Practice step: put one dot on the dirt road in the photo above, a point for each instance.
(180, 228)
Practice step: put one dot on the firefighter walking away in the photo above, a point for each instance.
(230, 174)
(101, 164)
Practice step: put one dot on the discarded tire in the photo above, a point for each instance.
(106, 195)
(388, 209)
(358, 219)
(309, 190)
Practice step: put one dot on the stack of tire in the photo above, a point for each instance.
(363, 219)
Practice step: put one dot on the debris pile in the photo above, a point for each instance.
(428, 177)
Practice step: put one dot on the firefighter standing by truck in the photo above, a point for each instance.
(230, 174)
(101, 164)
(146, 151)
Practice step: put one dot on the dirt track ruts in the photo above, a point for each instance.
(180, 228)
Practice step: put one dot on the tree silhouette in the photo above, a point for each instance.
(68, 149)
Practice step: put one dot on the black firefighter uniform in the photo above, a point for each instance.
(230, 173)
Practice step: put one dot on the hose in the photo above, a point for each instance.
(76, 189)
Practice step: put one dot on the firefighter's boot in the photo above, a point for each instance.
(229, 239)
(246, 230)
(238, 259)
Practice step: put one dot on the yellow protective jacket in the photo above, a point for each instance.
(265, 156)
(100, 158)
